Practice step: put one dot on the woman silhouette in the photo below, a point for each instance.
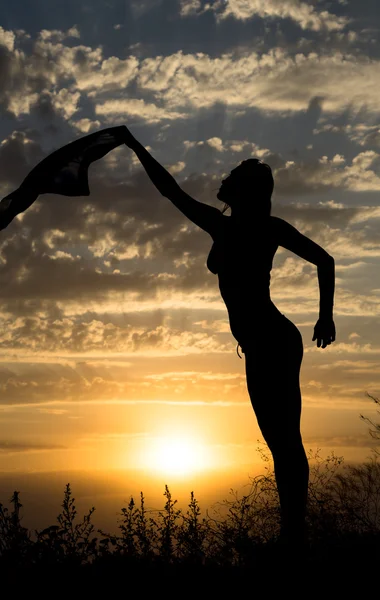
(244, 245)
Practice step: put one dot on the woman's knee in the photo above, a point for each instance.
(284, 445)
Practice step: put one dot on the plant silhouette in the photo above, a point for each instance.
(231, 540)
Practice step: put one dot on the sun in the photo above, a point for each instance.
(177, 456)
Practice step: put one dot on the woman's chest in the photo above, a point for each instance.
(233, 252)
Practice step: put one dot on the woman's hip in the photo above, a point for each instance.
(273, 337)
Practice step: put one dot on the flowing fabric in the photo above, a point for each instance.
(64, 172)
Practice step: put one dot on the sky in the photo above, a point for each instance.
(115, 351)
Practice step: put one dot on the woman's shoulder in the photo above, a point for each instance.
(277, 225)
(276, 221)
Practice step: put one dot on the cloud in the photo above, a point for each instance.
(304, 177)
(188, 7)
(137, 234)
(121, 276)
(88, 334)
(7, 39)
(306, 16)
(141, 7)
(275, 81)
(18, 151)
(195, 376)
(351, 348)
(56, 71)
(191, 7)
(52, 385)
(63, 102)
(342, 441)
(354, 366)
(364, 134)
(177, 167)
(136, 107)
(11, 447)
(60, 78)
(27, 77)
(57, 35)
(86, 125)
(81, 65)
(67, 261)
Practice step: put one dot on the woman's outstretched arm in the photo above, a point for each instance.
(326, 280)
(205, 216)
(160, 177)
(291, 239)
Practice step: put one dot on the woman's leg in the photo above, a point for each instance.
(272, 369)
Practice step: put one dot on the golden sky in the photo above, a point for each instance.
(115, 351)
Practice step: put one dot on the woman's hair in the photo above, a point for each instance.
(259, 175)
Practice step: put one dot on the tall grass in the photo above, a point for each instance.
(343, 515)
(234, 539)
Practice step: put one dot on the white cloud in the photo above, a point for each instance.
(58, 35)
(216, 143)
(85, 125)
(71, 335)
(302, 13)
(352, 348)
(358, 176)
(7, 39)
(365, 134)
(135, 107)
(114, 73)
(84, 66)
(65, 102)
(190, 7)
(352, 336)
(59, 73)
(274, 81)
(177, 167)
(21, 104)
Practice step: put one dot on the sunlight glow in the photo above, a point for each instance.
(177, 456)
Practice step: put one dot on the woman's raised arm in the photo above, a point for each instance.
(205, 216)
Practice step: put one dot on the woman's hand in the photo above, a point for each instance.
(128, 137)
(324, 332)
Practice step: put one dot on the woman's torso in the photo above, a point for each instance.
(242, 257)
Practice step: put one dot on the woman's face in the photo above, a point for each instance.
(235, 185)
(244, 182)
